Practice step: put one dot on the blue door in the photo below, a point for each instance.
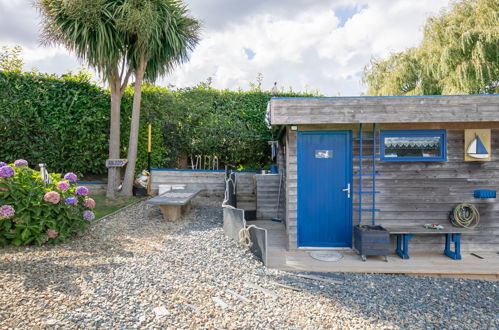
(324, 189)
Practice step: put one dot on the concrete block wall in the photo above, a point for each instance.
(212, 183)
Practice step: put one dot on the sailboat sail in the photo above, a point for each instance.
(476, 149)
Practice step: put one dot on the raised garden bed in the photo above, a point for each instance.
(371, 241)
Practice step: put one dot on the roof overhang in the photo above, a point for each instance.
(387, 109)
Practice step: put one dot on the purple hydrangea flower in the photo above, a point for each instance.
(6, 211)
(63, 185)
(20, 162)
(71, 201)
(71, 177)
(2, 164)
(88, 215)
(81, 190)
(6, 171)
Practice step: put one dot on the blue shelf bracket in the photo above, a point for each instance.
(456, 239)
(403, 245)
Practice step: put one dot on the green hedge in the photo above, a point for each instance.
(59, 121)
(64, 122)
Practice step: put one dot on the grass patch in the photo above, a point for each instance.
(105, 206)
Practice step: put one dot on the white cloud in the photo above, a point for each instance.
(307, 48)
(298, 43)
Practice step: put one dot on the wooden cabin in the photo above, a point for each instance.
(386, 161)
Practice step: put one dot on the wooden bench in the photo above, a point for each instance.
(174, 202)
(405, 233)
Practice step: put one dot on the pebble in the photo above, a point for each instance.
(219, 302)
(160, 311)
(136, 270)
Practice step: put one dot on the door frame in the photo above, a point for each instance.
(349, 177)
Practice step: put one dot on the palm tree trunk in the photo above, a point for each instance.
(113, 174)
(134, 129)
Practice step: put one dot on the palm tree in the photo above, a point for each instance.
(88, 29)
(161, 34)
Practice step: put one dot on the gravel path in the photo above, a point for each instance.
(135, 272)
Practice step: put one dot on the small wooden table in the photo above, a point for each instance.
(405, 233)
(174, 202)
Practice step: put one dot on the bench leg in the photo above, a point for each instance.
(171, 212)
(186, 208)
(456, 239)
(403, 245)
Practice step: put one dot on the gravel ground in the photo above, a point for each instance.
(132, 271)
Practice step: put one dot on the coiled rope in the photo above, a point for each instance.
(464, 215)
(244, 236)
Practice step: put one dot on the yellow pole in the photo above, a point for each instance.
(149, 139)
(149, 135)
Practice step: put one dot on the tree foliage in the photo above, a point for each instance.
(86, 28)
(10, 59)
(459, 54)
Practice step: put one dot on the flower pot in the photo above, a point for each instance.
(371, 241)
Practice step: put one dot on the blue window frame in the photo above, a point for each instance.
(413, 145)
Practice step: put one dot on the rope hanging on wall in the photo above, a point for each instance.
(464, 215)
(226, 193)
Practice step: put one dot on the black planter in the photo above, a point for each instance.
(139, 191)
(371, 241)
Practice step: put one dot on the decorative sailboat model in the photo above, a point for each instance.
(476, 149)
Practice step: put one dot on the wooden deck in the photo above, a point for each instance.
(432, 264)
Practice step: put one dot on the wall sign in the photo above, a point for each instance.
(323, 153)
(116, 162)
(477, 145)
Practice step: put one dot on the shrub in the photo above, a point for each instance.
(62, 122)
(32, 212)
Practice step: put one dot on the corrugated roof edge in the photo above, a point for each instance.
(376, 97)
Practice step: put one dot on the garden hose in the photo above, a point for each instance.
(464, 215)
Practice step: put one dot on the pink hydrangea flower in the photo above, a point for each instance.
(6, 211)
(63, 185)
(52, 197)
(71, 177)
(89, 202)
(20, 162)
(88, 215)
(52, 233)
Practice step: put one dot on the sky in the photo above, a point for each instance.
(305, 45)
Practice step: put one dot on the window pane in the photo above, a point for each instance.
(412, 146)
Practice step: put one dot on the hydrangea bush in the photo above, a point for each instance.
(32, 212)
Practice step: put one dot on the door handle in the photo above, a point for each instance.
(347, 189)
